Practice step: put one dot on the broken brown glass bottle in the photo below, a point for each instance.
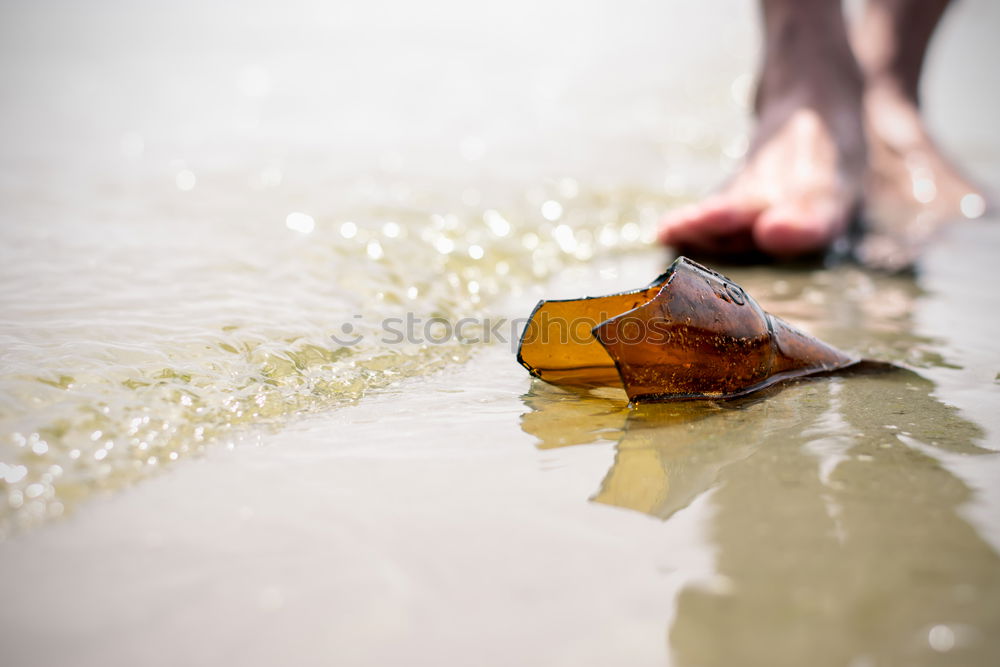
(692, 333)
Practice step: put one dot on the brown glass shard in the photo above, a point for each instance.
(558, 343)
(692, 333)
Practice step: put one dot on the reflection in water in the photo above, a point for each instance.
(840, 536)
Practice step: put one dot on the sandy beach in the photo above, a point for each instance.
(173, 277)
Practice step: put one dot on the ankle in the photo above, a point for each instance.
(893, 116)
(889, 86)
(821, 87)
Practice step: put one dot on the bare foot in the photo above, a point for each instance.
(794, 195)
(803, 176)
(904, 157)
(911, 189)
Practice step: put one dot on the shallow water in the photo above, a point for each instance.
(185, 229)
(187, 453)
(129, 358)
(477, 515)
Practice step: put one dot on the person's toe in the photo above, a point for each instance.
(705, 223)
(675, 222)
(797, 229)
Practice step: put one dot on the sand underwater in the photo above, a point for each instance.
(192, 471)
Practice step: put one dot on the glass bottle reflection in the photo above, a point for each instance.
(836, 524)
